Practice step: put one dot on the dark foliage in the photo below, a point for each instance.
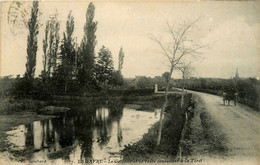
(31, 89)
(248, 89)
(104, 67)
(67, 69)
(87, 52)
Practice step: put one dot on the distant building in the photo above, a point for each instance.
(236, 75)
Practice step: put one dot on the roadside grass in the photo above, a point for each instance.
(204, 135)
(213, 135)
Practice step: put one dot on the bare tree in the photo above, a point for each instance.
(179, 46)
(186, 70)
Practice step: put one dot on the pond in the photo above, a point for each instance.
(85, 133)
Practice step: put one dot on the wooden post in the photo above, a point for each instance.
(155, 88)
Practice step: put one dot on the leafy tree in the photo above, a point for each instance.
(87, 51)
(32, 41)
(166, 76)
(116, 79)
(6, 84)
(144, 82)
(104, 67)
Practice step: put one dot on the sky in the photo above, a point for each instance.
(230, 29)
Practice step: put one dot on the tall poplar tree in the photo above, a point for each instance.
(32, 41)
(45, 50)
(50, 46)
(120, 59)
(87, 51)
(67, 58)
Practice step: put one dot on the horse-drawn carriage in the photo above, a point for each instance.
(228, 96)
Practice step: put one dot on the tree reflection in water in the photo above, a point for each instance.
(74, 128)
(116, 109)
(29, 140)
(112, 111)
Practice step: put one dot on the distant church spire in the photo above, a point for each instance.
(236, 75)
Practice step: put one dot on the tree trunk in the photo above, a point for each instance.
(182, 97)
(163, 108)
(182, 92)
(65, 88)
(160, 125)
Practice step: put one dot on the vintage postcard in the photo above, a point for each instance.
(129, 82)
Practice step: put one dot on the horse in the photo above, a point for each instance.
(228, 96)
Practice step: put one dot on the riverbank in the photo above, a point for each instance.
(146, 150)
(8, 122)
(22, 112)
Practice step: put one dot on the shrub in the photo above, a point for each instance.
(10, 106)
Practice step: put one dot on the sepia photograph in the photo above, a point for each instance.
(129, 82)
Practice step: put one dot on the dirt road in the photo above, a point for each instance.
(240, 125)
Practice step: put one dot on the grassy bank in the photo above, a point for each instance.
(146, 150)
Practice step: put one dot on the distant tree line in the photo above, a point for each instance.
(144, 82)
(68, 67)
(248, 89)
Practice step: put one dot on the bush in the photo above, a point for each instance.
(31, 89)
(10, 106)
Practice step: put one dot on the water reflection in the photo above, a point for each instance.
(86, 132)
